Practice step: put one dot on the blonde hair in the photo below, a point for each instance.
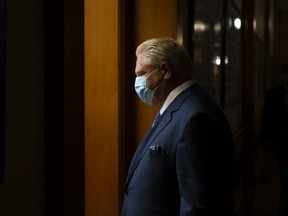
(158, 50)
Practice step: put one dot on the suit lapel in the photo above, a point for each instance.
(145, 143)
(152, 133)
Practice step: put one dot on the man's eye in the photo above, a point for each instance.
(140, 73)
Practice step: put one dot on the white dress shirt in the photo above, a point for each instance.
(173, 94)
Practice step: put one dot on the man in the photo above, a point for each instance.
(184, 164)
(275, 129)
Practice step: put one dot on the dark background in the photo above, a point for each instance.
(2, 87)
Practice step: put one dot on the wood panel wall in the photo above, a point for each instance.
(101, 107)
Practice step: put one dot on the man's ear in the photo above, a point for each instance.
(166, 69)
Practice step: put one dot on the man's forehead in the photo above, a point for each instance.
(140, 58)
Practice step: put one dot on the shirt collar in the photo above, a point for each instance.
(173, 94)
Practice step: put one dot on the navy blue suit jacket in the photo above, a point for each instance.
(184, 164)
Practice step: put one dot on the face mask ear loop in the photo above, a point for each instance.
(159, 86)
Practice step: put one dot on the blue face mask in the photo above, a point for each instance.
(145, 94)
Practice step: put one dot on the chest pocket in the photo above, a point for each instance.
(154, 166)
